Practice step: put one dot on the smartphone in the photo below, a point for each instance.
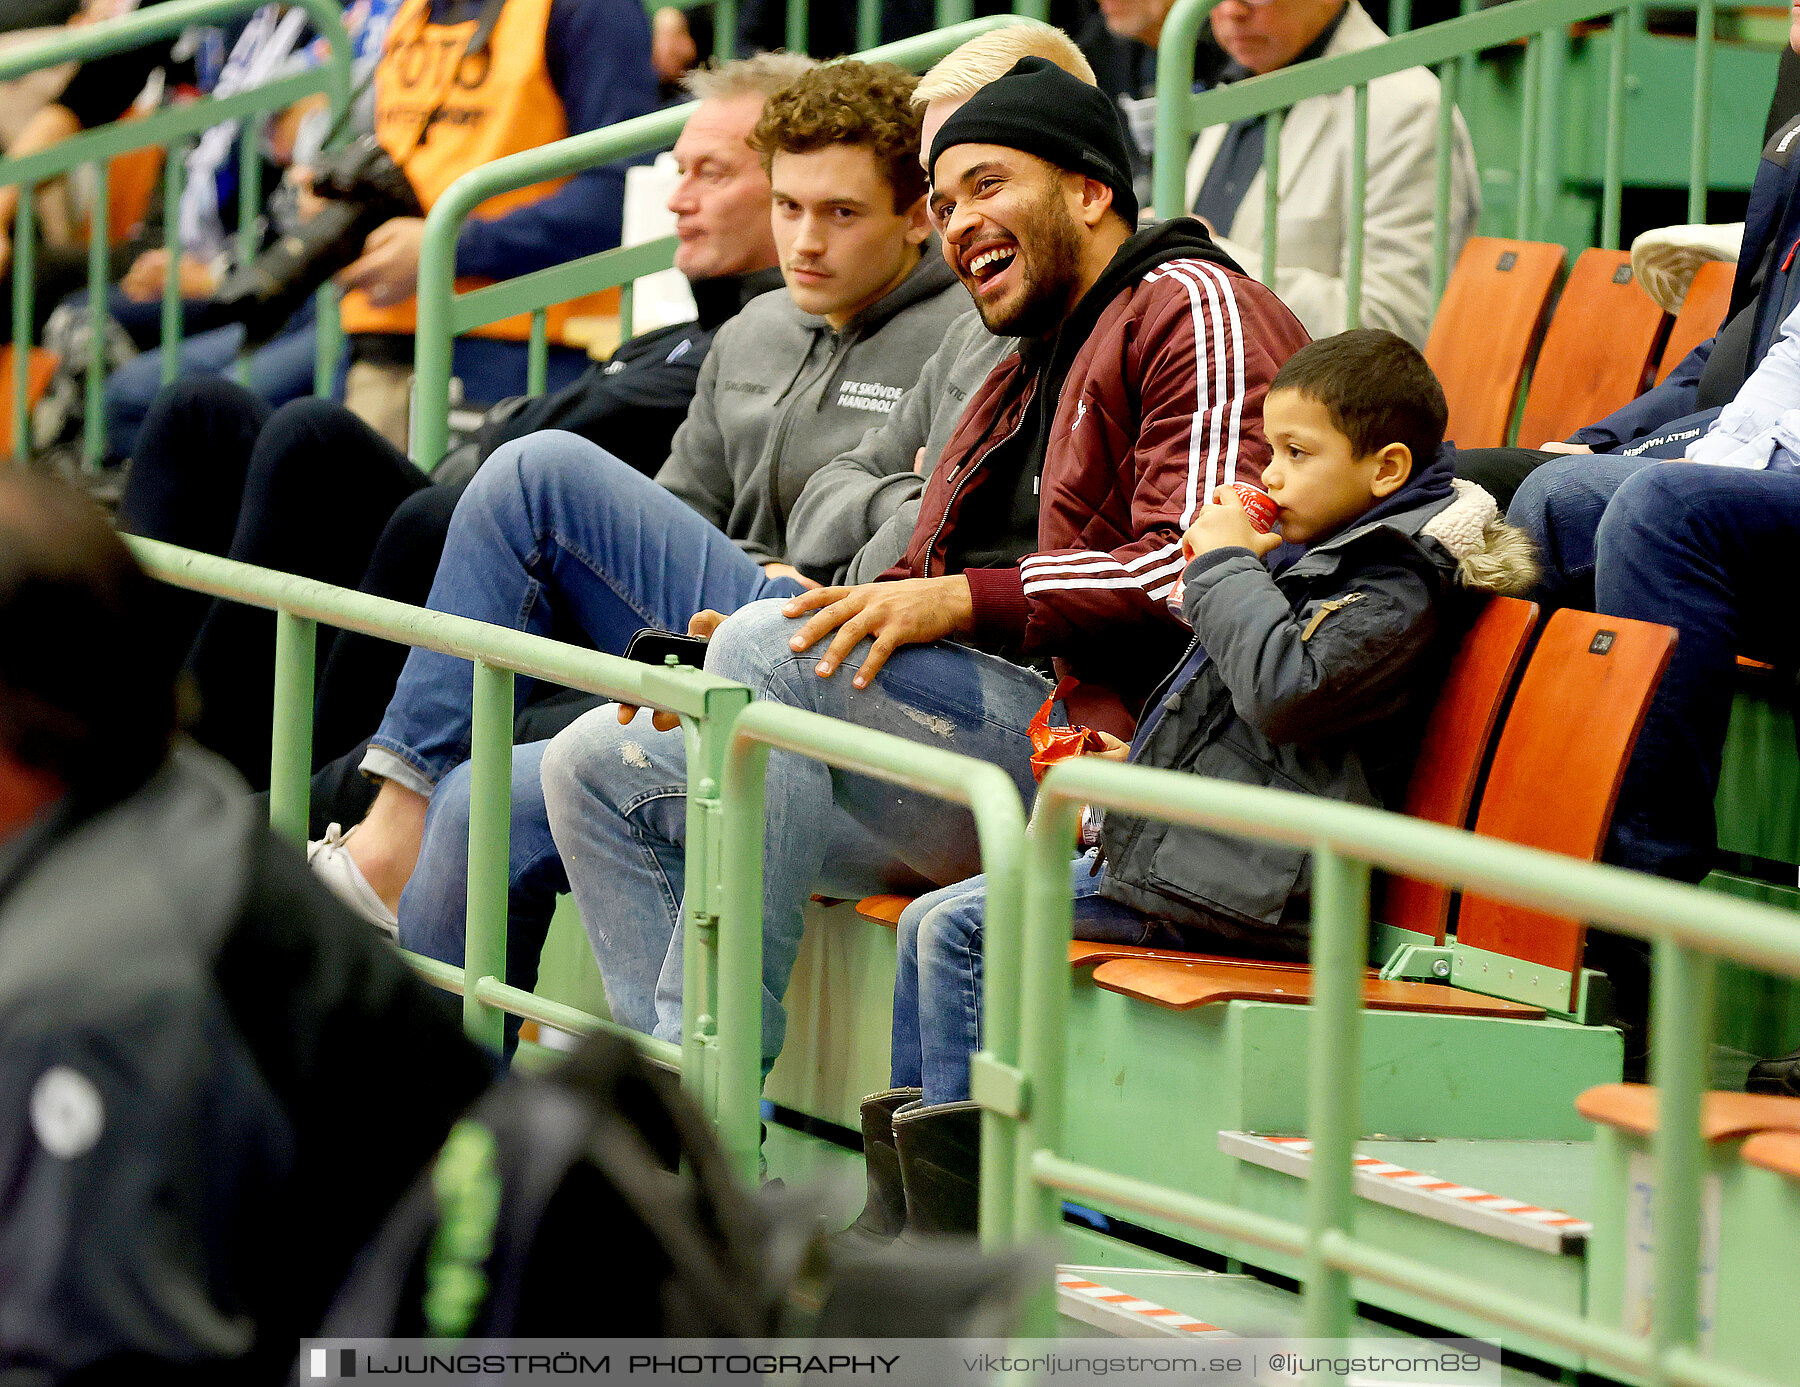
(652, 647)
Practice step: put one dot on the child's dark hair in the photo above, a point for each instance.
(1377, 389)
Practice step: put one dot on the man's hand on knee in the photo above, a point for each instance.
(912, 611)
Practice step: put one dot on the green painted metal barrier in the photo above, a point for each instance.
(1689, 928)
(444, 314)
(707, 705)
(170, 129)
(986, 790)
(1449, 49)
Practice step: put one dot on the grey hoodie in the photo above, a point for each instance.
(781, 394)
(854, 519)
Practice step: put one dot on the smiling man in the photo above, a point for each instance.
(556, 533)
(1048, 540)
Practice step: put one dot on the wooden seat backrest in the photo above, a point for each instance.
(1557, 768)
(1702, 313)
(41, 366)
(130, 185)
(1597, 350)
(1486, 329)
(1454, 750)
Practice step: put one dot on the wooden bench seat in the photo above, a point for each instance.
(1776, 1151)
(1183, 984)
(1634, 1108)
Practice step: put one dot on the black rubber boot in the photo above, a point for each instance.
(884, 1213)
(1781, 1075)
(940, 1166)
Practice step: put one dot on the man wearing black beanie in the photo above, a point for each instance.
(1048, 540)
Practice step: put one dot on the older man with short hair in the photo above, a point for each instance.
(1225, 173)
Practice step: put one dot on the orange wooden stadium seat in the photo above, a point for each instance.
(40, 367)
(1485, 331)
(1558, 767)
(1635, 1108)
(1597, 352)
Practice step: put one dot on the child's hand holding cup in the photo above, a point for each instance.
(1240, 517)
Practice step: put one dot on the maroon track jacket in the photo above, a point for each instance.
(1158, 380)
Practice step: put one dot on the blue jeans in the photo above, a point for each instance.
(617, 804)
(937, 979)
(281, 370)
(1703, 549)
(556, 533)
(1559, 505)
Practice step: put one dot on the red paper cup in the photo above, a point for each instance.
(1258, 507)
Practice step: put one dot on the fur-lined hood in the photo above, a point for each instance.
(1490, 554)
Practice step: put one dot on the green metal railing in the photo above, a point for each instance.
(169, 128)
(1688, 927)
(985, 789)
(1449, 49)
(706, 704)
(444, 314)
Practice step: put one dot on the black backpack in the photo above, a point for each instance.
(605, 1161)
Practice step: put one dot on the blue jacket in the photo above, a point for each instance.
(1707, 378)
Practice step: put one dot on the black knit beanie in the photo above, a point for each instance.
(1039, 108)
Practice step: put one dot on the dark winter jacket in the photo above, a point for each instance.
(214, 1081)
(1316, 677)
(1104, 441)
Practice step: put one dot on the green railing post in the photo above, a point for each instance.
(868, 23)
(1684, 998)
(537, 354)
(1340, 949)
(1174, 85)
(1271, 196)
(1700, 149)
(1359, 206)
(796, 33)
(330, 342)
(735, 877)
(249, 213)
(1044, 1002)
(1528, 137)
(1033, 9)
(708, 743)
(1446, 154)
(24, 273)
(725, 27)
(1613, 176)
(93, 448)
(740, 957)
(954, 12)
(490, 835)
(174, 180)
(290, 745)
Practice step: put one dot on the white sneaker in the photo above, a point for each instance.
(332, 864)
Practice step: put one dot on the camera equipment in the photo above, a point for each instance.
(363, 187)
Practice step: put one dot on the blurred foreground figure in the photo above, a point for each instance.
(214, 1081)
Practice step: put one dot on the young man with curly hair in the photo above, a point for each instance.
(555, 533)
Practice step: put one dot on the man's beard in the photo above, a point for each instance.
(1050, 268)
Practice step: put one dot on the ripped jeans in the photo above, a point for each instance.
(616, 798)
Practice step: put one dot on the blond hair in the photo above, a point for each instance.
(989, 57)
(763, 75)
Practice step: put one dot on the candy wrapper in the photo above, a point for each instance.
(1052, 744)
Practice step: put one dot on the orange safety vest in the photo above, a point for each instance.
(493, 103)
